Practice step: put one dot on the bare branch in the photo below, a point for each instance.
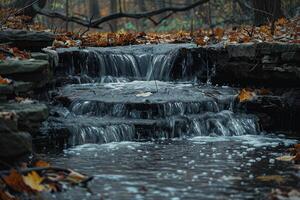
(97, 22)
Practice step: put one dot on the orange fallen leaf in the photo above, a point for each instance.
(219, 33)
(246, 95)
(16, 182)
(41, 163)
(200, 41)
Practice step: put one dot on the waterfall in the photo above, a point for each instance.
(105, 105)
(152, 62)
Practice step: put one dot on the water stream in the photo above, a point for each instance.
(137, 120)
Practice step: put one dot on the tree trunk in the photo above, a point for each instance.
(266, 11)
(114, 9)
(94, 8)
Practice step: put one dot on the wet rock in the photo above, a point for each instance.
(290, 56)
(270, 59)
(30, 115)
(13, 142)
(28, 40)
(40, 56)
(5, 91)
(241, 50)
(35, 71)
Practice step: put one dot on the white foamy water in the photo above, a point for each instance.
(252, 140)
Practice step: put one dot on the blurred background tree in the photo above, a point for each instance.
(209, 15)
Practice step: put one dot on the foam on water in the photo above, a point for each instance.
(252, 140)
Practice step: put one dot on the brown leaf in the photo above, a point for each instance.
(219, 33)
(16, 182)
(41, 163)
(246, 95)
(200, 41)
(5, 195)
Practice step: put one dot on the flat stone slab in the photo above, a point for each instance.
(22, 66)
(29, 40)
(27, 111)
(146, 92)
(29, 115)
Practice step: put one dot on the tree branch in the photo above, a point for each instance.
(97, 22)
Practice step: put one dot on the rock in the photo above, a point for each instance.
(40, 56)
(22, 87)
(242, 50)
(8, 121)
(15, 144)
(270, 59)
(30, 115)
(6, 89)
(274, 48)
(22, 66)
(290, 57)
(28, 40)
(35, 71)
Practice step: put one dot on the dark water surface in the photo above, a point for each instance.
(196, 168)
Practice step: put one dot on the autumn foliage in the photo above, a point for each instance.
(285, 31)
(41, 177)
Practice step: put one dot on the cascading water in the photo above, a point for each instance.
(113, 112)
(153, 62)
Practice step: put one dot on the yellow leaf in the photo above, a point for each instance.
(34, 181)
(276, 178)
(246, 95)
(286, 158)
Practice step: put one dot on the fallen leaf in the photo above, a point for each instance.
(275, 178)
(16, 182)
(286, 158)
(246, 95)
(5, 195)
(41, 163)
(76, 178)
(219, 33)
(34, 180)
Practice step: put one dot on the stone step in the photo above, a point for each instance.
(145, 99)
(75, 130)
(32, 70)
(28, 40)
(29, 115)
